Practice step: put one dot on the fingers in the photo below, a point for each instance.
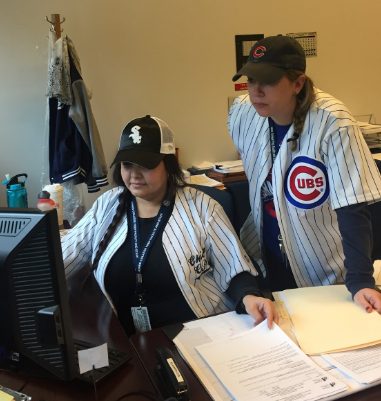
(361, 301)
(368, 299)
(261, 309)
(272, 314)
(253, 311)
(375, 301)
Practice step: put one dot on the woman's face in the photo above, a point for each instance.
(277, 101)
(150, 185)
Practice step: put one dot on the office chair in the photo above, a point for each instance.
(222, 197)
(239, 192)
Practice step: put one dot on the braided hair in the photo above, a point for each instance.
(304, 100)
(175, 180)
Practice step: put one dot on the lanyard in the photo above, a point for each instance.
(274, 151)
(139, 256)
(273, 140)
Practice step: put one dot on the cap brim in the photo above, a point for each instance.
(140, 157)
(264, 73)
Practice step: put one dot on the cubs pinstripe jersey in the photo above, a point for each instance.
(331, 168)
(201, 245)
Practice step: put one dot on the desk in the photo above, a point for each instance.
(145, 345)
(93, 321)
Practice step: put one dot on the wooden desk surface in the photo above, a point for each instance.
(93, 321)
(145, 345)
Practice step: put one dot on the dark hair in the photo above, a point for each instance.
(175, 180)
(304, 100)
(172, 167)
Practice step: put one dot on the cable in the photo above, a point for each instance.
(22, 387)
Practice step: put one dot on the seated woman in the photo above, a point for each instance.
(162, 252)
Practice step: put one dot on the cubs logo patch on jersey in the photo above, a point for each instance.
(306, 183)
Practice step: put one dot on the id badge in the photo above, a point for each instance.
(141, 318)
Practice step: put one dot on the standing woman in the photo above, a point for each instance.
(310, 174)
(162, 252)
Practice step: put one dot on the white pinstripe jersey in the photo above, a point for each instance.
(201, 245)
(331, 168)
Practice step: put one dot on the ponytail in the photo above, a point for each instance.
(120, 212)
(304, 100)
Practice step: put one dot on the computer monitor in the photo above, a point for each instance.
(35, 324)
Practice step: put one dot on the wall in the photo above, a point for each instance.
(172, 59)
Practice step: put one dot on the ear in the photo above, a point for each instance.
(299, 83)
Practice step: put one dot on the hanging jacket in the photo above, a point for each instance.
(75, 148)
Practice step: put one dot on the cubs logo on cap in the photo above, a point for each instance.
(306, 183)
(259, 51)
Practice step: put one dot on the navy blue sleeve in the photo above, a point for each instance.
(356, 230)
(240, 285)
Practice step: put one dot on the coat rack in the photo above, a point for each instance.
(56, 24)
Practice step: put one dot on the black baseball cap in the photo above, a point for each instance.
(271, 57)
(145, 141)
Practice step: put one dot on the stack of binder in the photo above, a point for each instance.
(227, 177)
(229, 171)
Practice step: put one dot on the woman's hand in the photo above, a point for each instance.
(260, 309)
(368, 299)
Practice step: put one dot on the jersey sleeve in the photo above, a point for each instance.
(78, 243)
(352, 173)
(225, 252)
(239, 114)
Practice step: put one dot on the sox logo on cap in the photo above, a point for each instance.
(306, 183)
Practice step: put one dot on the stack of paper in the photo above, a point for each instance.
(233, 166)
(263, 365)
(327, 320)
(204, 165)
(363, 364)
(228, 171)
(202, 179)
(368, 129)
(243, 364)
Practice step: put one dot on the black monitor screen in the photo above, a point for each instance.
(35, 326)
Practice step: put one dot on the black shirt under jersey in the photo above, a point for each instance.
(164, 299)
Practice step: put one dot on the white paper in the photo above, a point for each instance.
(367, 128)
(364, 364)
(204, 165)
(227, 165)
(353, 385)
(234, 166)
(203, 331)
(202, 179)
(97, 357)
(262, 364)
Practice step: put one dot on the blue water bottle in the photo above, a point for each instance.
(16, 191)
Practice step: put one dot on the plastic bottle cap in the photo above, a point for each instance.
(44, 195)
(15, 187)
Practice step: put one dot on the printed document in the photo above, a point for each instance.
(202, 179)
(203, 331)
(363, 365)
(265, 365)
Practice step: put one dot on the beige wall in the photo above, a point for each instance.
(173, 59)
